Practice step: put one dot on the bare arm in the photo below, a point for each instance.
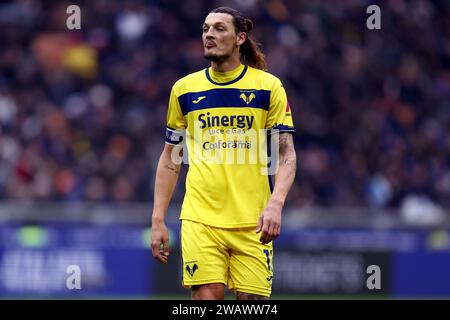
(166, 178)
(270, 220)
(286, 172)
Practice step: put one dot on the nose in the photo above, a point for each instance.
(209, 34)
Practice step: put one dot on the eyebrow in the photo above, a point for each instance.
(216, 23)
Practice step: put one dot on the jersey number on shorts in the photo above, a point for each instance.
(268, 256)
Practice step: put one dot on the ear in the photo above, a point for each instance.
(240, 38)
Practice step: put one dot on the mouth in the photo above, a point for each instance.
(210, 45)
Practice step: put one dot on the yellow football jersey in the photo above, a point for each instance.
(223, 119)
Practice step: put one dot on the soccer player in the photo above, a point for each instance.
(231, 211)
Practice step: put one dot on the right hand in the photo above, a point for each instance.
(160, 235)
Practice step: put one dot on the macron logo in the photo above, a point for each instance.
(198, 99)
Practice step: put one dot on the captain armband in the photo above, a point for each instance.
(175, 136)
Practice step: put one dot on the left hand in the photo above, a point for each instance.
(269, 223)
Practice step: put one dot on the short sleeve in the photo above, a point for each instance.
(176, 123)
(280, 113)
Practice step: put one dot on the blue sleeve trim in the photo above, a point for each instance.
(282, 128)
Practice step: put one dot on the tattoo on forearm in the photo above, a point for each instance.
(288, 162)
(284, 139)
(172, 168)
(287, 151)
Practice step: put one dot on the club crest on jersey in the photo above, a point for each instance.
(248, 98)
(191, 268)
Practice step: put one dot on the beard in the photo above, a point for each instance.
(216, 57)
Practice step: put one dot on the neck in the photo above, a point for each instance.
(228, 65)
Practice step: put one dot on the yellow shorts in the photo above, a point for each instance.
(234, 257)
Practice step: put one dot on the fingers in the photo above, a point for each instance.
(155, 247)
(260, 224)
(273, 231)
(160, 249)
(265, 233)
(165, 245)
(155, 250)
(270, 230)
(163, 258)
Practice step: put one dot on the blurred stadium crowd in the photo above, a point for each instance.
(82, 113)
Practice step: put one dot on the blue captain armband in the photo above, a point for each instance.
(175, 136)
(283, 128)
(277, 129)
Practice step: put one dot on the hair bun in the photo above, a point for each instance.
(248, 24)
